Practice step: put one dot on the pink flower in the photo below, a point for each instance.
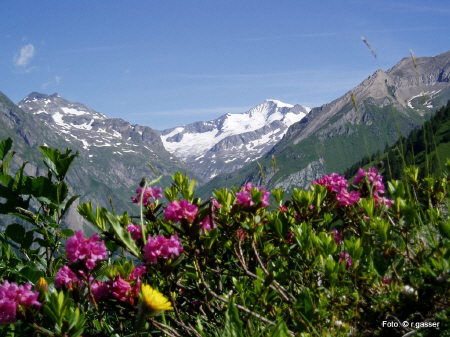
(345, 257)
(162, 247)
(121, 289)
(290, 237)
(386, 280)
(206, 225)
(333, 182)
(100, 290)
(241, 234)
(66, 277)
(346, 198)
(8, 310)
(178, 210)
(282, 209)
(150, 192)
(88, 250)
(375, 182)
(135, 230)
(14, 297)
(244, 196)
(337, 237)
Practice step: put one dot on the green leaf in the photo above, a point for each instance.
(7, 161)
(280, 330)
(233, 325)
(5, 146)
(30, 274)
(67, 232)
(122, 234)
(18, 179)
(16, 232)
(305, 305)
(27, 240)
(61, 192)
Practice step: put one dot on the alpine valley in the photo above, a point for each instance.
(305, 143)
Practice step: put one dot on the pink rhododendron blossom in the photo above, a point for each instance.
(241, 234)
(375, 181)
(8, 310)
(100, 290)
(162, 247)
(282, 209)
(13, 297)
(150, 192)
(136, 231)
(125, 290)
(346, 198)
(66, 277)
(332, 182)
(206, 225)
(337, 237)
(345, 257)
(290, 237)
(88, 250)
(178, 210)
(121, 289)
(244, 196)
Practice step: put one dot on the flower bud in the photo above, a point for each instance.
(42, 286)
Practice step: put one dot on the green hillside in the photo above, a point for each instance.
(427, 147)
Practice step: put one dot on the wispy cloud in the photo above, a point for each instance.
(56, 80)
(22, 59)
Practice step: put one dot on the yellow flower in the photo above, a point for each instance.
(151, 303)
(153, 300)
(42, 285)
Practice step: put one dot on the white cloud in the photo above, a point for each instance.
(57, 79)
(26, 54)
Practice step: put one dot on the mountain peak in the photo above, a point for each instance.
(279, 103)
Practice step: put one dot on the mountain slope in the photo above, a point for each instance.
(227, 143)
(113, 154)
(334, 136)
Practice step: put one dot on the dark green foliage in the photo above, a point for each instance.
(424, 147)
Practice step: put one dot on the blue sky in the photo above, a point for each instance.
(168, 63)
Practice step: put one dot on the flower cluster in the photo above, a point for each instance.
(160, 246)
(136, 231)
(14, 298)
(338, 184)
(337, 236)
(149, 192)
(66, 278)
(206, 223)
(345, 257)
(178, 210)
(244, 196)
(120, 288)
(376, 185)
(88, 250)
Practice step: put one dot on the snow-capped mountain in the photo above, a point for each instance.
(113, 154)
(229, 142)
(80, 124)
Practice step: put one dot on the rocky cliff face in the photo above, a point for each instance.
(229, 142)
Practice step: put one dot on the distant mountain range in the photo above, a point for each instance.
(305, 143)
(113, 154)
(225, 144)
(332, 137)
